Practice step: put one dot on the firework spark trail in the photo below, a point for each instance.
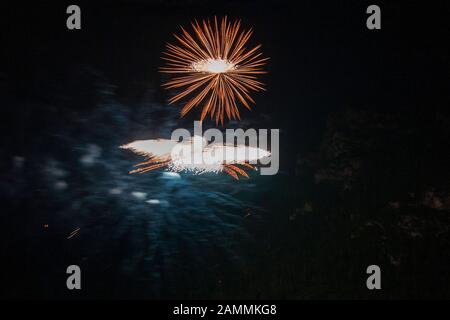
(73, 233)
(181, 156)
(214, 67)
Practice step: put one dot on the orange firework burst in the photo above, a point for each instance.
(215, 68)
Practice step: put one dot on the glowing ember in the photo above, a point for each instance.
(215, 68)
(195, 155)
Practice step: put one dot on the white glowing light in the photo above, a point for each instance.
(171, 175)
(139, 195)
(213, 66)
(157, 148)
(195, 155)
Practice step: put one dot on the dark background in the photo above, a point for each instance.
(364, 173)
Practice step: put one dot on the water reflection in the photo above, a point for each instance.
(158, 234)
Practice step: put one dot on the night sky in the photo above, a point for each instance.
(364, 134)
